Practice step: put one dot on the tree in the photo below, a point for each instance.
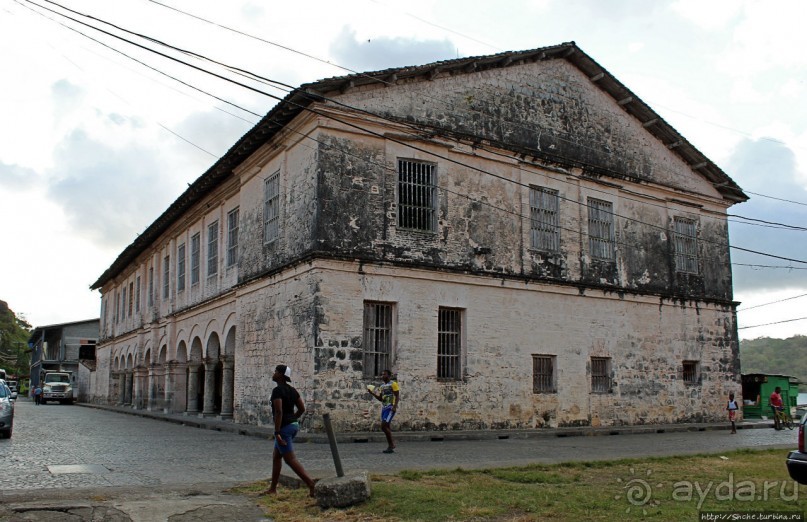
(14, 334)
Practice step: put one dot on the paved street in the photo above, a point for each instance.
(57, 446)
(58, 449)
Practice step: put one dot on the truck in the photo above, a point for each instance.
(58, 386)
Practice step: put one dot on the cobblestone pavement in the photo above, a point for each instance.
(58, 448)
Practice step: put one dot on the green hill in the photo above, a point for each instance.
(783, 356)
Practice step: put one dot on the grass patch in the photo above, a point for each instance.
(665, 488)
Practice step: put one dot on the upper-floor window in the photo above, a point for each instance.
(601, 374)
(271, 207)
(685, 240)
(196, 246)
(417, 191)
(378, 333)
(123, 304)
(151, 286)
(600, 229)
(137, 297)
(181, 267)
(117, 306)
(544, 219)
(166, 277)
(131, 298)
(232, 237)
(449, 343)
(212, 248)
(543, 373)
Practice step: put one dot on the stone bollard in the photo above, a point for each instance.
(351, 489)
(342, 490)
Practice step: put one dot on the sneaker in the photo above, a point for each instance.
(388, 450)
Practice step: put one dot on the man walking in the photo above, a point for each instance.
(775, 401)
(389, 395)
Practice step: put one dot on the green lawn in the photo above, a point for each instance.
(670, 488)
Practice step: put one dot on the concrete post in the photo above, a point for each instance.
(179, 388)
(210, 388)
(227, 387)
(120, 377)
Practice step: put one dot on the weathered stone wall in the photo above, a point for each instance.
(277, 324)
(484, 226)
(506, 323)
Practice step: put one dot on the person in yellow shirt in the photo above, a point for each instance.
(389, 395)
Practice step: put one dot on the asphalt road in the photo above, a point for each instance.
(66, 454)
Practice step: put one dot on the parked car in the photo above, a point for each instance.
(797, 460)
(6, 412)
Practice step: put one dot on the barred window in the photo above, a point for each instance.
(685, 240)
(544, 219)
(181, 267)
(271, 207)
(166, 277)
(691, 374)
(543, 373)
(417, 188)
(212, 248)
(232, 237)
(196, 245)
(137, 297)
(600, 374)
(378, 331)
(600, 229)
(449, 343)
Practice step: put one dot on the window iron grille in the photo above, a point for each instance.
(449, 344)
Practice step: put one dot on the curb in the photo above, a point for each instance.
(218, 424)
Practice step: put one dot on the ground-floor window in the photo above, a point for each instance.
(449, 343)
(691, 373)
(378, 341)
(543, 374)
(600, 374)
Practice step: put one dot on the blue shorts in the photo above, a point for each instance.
(287, 433)
(387, 414)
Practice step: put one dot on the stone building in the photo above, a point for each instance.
(518, 237)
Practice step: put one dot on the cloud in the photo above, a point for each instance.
(107, 193)
(16, 178)
(384, 52)
(767, 167)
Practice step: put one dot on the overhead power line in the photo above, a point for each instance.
(772, 302)
(769, 324)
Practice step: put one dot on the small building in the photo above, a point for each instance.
(58, 347)
(757, 389)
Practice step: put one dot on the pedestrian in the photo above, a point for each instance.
(775, 401)
(285, 400)
(389, 395)
(38, 395)
(732, 409)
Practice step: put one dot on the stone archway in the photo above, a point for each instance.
(228, 376)
(213, 377)
(128, 387)
(176, 386)
(195, 377)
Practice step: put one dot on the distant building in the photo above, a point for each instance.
(518, 237)
(58, 347)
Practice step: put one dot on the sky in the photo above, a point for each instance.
(94, 146)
